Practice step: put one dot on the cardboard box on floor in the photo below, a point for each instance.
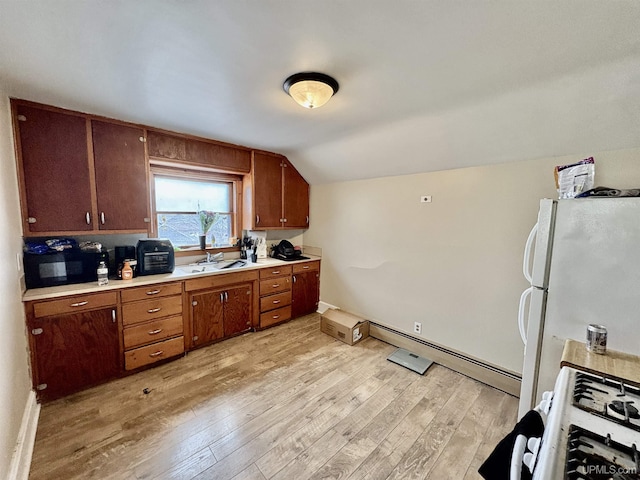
(344, 326)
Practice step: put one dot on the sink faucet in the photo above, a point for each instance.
(212, 258)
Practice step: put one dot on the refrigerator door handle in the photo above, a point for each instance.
(523, 300)
(528, 247)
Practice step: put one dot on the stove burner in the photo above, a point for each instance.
(620, 408)
(593, 457)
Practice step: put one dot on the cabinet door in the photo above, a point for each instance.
(267, 185)
(121, 176)
(305, 293)
(207, 316)
(295, 198)
(237, 309)
(75, 351)
(55, 170)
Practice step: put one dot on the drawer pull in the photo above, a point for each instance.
(306, 267)
(275, 285)
(275, 302)
(156, 354)
(154, 332)
(153, 292)
(79, 304)
(154, 310)
(275, 317)
(275, 272)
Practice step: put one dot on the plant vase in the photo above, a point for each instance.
(203, 241)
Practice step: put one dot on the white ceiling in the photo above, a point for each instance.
(424, 84)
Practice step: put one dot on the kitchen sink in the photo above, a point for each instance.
(213, 267)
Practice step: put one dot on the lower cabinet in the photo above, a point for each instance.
(74, 343)
(305, 288)
(275, 295)
(152, 324)
(221, 306)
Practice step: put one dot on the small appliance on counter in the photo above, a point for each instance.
(47, 264)
(126, 253)
(155, 255)
(287, 252)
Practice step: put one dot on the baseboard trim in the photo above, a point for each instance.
(21, 459)
(484, 372)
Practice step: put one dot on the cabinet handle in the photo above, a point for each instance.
(257, 219)
(275, 317)
(305, 267)
(275, 272)
(275, 302)
(88, 218)
(154, 332)
(31, 220)
(284, 220)
(142, 139)
(154, 310)
(153, 292)
(156, 354)
(294, 279)
(37, 331)
(113, 316)
(226, 296)
(102, 218)
(79, 304)
(307, 219)
(275, 285)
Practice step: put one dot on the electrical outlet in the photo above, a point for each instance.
(417, 327)
(425, 199)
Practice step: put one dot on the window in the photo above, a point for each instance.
(180, 196)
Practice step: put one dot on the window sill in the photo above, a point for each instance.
(190, 251)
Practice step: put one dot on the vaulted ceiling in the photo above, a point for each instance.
(425, 85)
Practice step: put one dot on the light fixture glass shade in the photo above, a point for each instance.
(310, 89)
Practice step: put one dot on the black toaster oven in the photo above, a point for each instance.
(155, 255)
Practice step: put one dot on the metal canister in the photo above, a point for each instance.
(597, 339)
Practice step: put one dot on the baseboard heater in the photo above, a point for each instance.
(492, 375)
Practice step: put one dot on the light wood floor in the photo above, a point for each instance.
(288, 403)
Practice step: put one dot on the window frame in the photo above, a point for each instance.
(200, 175)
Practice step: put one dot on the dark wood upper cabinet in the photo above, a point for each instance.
(121, 176)
(53, 170)
(276, 196)
(199, 153)
(295, 209)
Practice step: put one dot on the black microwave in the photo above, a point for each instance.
(62, 268)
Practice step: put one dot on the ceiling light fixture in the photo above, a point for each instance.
(310, 89)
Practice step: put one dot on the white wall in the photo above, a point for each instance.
(454, 264)
(15, 381)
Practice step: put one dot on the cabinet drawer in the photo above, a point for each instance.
(276, 271)
(153, 353)
(275, 285)
(150, 291)
(275, 301)
(144, 311)
(275, 316)
(153, 331)
(80, 303)
(305, 267)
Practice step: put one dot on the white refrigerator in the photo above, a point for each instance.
(583, 262)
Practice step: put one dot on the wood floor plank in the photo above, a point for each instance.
(420, 459)
(381, 462)
(459, 451)
(285, 403)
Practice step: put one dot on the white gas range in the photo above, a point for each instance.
(592, 430)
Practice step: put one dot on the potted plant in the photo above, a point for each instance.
(207, 219)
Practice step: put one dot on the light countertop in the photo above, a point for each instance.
(623, 366)
(177, 275)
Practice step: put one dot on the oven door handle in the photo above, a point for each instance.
(519, 447)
